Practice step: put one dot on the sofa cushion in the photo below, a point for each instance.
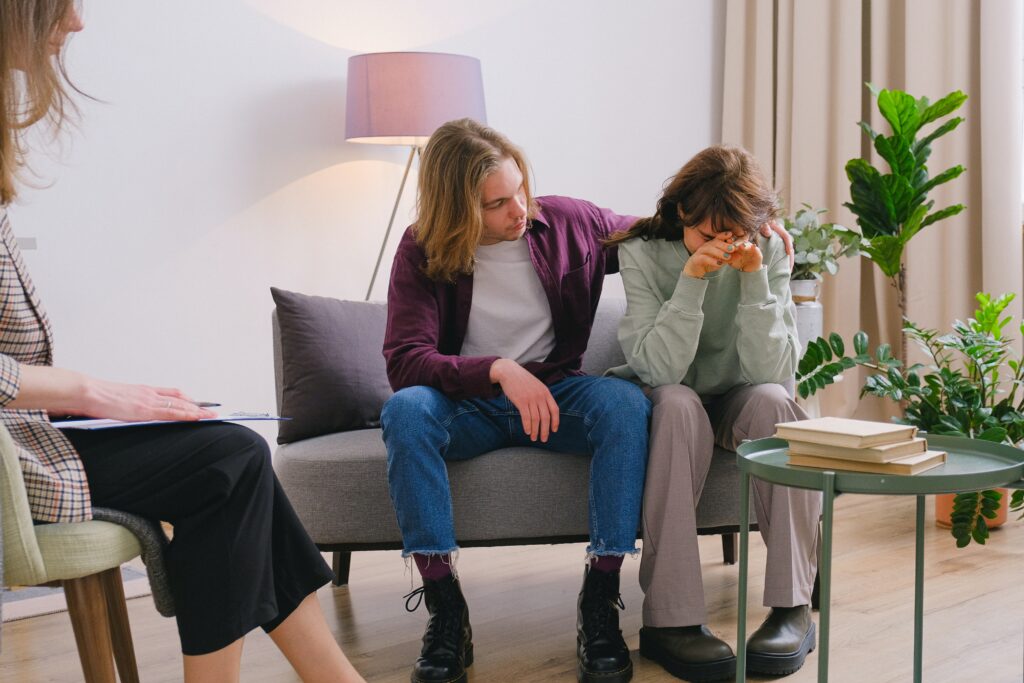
(332, 376)
(338, 485)
(330, 371)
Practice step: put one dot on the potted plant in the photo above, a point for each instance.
(893, 207)
(818, 247)
(968, 388)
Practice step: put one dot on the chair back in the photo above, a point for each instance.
(22, 560)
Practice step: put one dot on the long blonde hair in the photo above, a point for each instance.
(33, 82)
(456, 161)
(723, 183)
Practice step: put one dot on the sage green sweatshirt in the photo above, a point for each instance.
(711, 334)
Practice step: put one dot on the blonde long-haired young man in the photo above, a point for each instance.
(490, 306)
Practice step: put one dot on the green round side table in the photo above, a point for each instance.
(971, 465)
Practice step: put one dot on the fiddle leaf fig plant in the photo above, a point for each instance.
(893, 207)
(973, 386)
(818, 246)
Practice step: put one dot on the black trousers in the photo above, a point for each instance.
(240, 557)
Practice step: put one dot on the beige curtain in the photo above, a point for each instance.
(793, 92)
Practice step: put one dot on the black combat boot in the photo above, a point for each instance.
(601, 651)
(448, 640)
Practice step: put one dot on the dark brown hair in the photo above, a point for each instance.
(722, 183)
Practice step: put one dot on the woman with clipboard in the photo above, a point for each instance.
(240, 558)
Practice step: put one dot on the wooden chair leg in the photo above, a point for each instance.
(729, 548)
(342, 564)
(88, 612)
(120, 629)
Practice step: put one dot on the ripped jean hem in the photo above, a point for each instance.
(603, 552)
(407, 553)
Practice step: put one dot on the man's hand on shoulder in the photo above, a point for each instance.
(529, 395)
(775, 227)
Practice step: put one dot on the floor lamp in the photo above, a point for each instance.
(400, 98)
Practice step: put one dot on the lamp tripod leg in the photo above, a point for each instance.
(401, 188)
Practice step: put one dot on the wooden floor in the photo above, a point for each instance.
(522, 602)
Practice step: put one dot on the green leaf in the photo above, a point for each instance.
(913, 224)
(860, 343)
(836, 342)
(946, 105)
(803, 388)
(941, 214)
(980, 531)
(903, 196)
(823, 348)
(811, 360)
(997, 434)
(868, 130)
(871, 200)
(893, 150)
(887, 252)
(940, 179)
(900, 110)
(922, 148)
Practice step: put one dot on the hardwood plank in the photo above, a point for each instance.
(522, 603)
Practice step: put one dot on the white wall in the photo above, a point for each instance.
(215, 163)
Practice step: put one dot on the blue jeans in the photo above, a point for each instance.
(604, 417)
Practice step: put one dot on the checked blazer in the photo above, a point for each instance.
(53, 472)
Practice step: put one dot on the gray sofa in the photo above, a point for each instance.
(335, 474)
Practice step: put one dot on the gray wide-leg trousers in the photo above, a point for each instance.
(683, 434)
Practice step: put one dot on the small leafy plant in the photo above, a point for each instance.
(969, 388)
(818, 246)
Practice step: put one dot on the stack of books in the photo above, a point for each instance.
(836, 443)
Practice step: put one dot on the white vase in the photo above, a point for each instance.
(809, 321)
(805, 290)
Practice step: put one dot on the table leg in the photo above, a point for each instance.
(741, 605)
(919, 590)
(828, 491)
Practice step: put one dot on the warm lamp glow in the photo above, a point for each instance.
(400, 98)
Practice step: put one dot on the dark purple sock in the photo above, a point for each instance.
(436, 567)
(606, 564)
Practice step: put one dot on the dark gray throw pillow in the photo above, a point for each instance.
(333, 376)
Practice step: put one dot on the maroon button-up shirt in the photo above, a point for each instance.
(427, 319)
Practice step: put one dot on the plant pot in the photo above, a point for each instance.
(805, 290)
(944, 510)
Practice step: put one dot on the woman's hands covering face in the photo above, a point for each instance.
(725, 249)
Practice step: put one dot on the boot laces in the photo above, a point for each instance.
(414, 595)
(601, 618)
(444, 628)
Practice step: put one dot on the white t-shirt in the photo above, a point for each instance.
(510, 315)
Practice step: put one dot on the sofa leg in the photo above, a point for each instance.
(729, 548)
(342, 563)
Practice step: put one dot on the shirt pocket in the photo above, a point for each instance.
(580, 266)
(577, 284)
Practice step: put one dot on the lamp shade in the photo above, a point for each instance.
(400, 98)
